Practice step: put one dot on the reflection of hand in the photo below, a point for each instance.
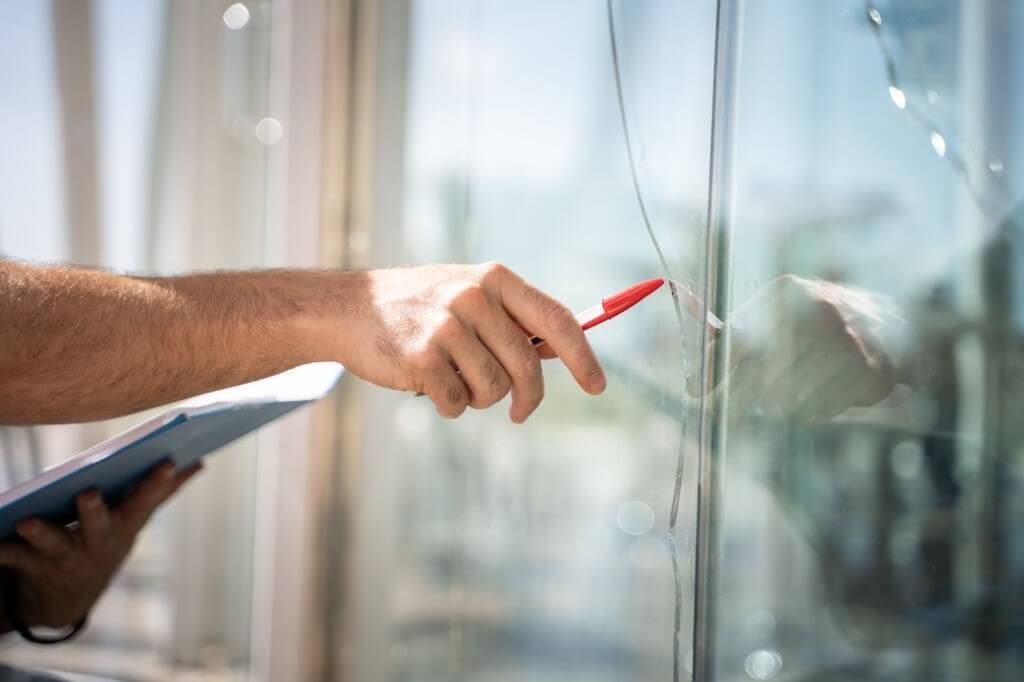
(62, 572)
(456, 333)
(811, 349)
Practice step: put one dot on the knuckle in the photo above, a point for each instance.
(493, 270)
(447, 329)
(470, 297)
(559, 320)
(495, 376)
(495, 385)
(454, 395)
(528, 366)
(535, 297)
(515, 338)
(451, 401)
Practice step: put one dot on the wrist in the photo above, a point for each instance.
(20, 616)
(25, 605)
(333, 304)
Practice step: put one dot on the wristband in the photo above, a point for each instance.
(18, 625)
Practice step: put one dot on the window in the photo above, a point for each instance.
(865, 511)
(836, 182)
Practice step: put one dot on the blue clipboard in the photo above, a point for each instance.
(184, 434)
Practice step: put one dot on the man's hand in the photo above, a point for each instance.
(61, 572)
(81, 345)
(460, 334)
(810, 349)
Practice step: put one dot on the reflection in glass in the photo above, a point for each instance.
(236, 16)
(863, 403)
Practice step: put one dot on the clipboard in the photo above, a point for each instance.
(184, 433)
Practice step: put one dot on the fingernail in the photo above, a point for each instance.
(597, 381)
(92, 499)
(168, 470)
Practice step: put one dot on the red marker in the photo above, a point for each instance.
(609, 308)
(613, 305)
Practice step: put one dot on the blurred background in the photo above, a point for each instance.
(649, 533)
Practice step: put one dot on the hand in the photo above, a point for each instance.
(61, 572)
(460, 334)
(810, 349)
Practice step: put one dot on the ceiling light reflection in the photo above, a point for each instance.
(236, 16)
(269, 131)
(898, 97)
(635, 518)
(763, 664)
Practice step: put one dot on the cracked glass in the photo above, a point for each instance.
(863, 395)
(570, 141)
(807, 462)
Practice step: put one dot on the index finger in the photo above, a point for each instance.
(549, 319)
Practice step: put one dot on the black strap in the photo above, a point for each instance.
(14, 619)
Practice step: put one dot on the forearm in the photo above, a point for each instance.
(81, 345)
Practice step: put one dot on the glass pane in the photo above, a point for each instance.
(544, 551)
(867, 442)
